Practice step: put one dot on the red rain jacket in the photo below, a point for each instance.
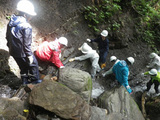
(49, 51)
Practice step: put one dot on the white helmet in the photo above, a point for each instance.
(152, 55)
(131, 60)
(63, 41)
(153, 72)
(112, 58)
(85, 48)
(104, 33)
(26, 6)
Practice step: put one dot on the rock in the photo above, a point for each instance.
(77, 80)
(12, 108)
(59, 99)
(120, 105)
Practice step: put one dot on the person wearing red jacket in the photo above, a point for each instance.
(51, 51)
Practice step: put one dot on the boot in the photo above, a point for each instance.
(103, 65)
(24, 80)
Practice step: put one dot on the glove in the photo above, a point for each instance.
(30, 59)
(88, 40)
(128, 87)
(62, 67)
(147, 66)
(103, 74)
(71, 60)
(60, 56)
(142, 74)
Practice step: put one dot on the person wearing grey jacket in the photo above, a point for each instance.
(155, 62)
(92, 55)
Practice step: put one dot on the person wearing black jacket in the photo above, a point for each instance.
(19, 39)
(103, 47)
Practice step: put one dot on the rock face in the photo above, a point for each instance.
(77, 80)
(120, 105)
(57, 98)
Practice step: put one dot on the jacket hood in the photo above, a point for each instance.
(16, 20)
(122, 63)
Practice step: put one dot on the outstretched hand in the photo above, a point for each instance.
(71, 60)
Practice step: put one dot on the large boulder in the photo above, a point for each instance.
(120, 105)
(59, 99)
(77, 80)
(11, 109)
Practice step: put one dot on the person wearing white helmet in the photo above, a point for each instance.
(155, 78)
(19, 39)
(114, 60)
(51, 51)
(155, 61)
(92, 55)
(121, 71)
(103, 47)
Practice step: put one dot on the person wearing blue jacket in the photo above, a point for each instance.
(121, 71)
(103, 47)
(19, 39)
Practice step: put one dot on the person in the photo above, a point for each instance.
(103, 47)
(89, 53)
(19, 39)
(51, 51)
(155, 78)
(114, 60)
(155, 61)
(121, 71)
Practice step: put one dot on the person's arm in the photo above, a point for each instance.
(27, 40)
(56, 60)
(83, 57)
(125, 77)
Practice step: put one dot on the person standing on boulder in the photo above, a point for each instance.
(19, 39)
(89, 53)
(103, 47)
(121, 71)
(51, 51)
(155, 78)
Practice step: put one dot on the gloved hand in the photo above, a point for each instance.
(128, 87)
(71, 60)
(62, 67)
(142, 74)
(103, 74)
(60, 56)
(147, 66)
(79, 48)
(88, 40)
(30, 59)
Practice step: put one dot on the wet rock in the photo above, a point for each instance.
(120, 105)
(77, 80)
(11, 108)
(59, 99)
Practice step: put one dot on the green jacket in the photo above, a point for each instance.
(154, 77)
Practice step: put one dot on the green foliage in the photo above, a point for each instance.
(149, 25)
(97, 15)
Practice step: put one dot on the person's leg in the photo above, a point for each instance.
(23, 66)
(103, 57)
(33, 70)
(149, 85)
(156, 84)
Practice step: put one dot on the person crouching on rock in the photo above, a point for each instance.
(155, 78)
(121, 71)
(89, 53)
(51, 51)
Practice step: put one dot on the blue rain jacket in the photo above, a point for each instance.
(19, 37)
(121, 72)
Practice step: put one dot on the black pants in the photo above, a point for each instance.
(28, 71)
(156, 84)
